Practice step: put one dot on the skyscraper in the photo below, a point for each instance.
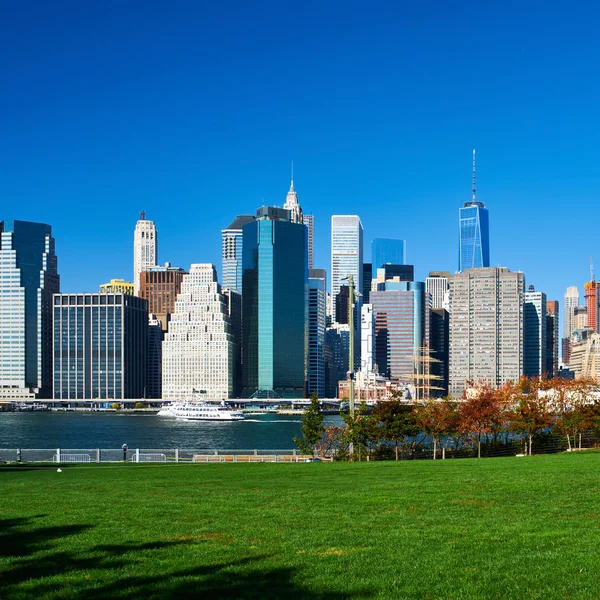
(100, 346)
(535, 342)
(367, 281)
(346, 253)
(439, 338)
(28, 278)
(367, 339)
(388, 251)
(552, 338)
(473, 228)
(145, 249)
(317, 294)
(232, 244)
(437, 287)
(592, 299)
(274, 305)
(198, 352)
(309, 221)
(292, 204)
(571, 303)
(486, 327)
(155, 340)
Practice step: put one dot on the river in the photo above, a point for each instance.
(146, 430)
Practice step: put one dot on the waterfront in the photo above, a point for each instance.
(140, 430)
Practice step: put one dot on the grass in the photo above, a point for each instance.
(494, 528)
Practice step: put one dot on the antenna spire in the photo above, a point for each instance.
(592, 275)
(474, 179)
(292, 173)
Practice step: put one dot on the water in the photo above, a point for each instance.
(139, 430)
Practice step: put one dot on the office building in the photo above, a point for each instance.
(401, 315)
(486, 327)
(473, 226)
(439, 343)
(571, 303)
(100, 347)
(274, 301)
(234, 310)
(337, 348)
(346, 253)
(317, 298)
(155, 340)
(534, 333)
(552, 338)
(231, 257)
(437, 287)
(580, 318)
(28, 278)
(292, 205)
(367, 282)
(198, 348)
(585, 356)
(145, 249)
(390, 272)
(387, 251)
(160, 286)
(309, 221)
(117, 286)
(367, 339)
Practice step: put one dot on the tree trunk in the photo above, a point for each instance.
(530, 444)
(434, 448)
(580, 441)
(443, 452)
(569, 442)
(478, 448)
(396, 450)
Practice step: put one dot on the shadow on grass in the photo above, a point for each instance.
(33, 566)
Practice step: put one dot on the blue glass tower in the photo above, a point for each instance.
(274, 306)
(473, 232)
(386, 251)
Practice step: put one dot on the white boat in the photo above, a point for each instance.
(200, 411)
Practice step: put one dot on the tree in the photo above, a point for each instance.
(396, 421)
(312, 427)
(361, 432)
(435, 418)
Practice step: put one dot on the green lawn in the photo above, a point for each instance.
(494, 528)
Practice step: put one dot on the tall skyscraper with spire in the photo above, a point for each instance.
(473, 230)
(145, 249)
(291, 203)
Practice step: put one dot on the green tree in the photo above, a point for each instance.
(361, 432)
(312, 427)
(396, 421)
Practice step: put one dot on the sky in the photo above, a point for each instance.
(193, 111)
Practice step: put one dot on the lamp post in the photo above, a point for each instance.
(124, 447)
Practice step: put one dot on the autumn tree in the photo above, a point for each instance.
(435, 418)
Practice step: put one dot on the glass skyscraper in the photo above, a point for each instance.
(274, 301)
(317, 298)
(473, 233)
(386, 251)
(28, 278)
(231, 265)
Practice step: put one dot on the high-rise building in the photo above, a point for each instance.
(580, 318)
(439, 339)
(401, 314)
(552, 338)
(346, 252)
(117, 286)
(232, 244)
(317, 297)
(367, 339)
(473, 226)
(389, 272)
(274, 301)
(155, 340)
(234, 310)
(292, 204)
(28, 278)
(486, 327)
(198, 349)
(309, 221)
(585, 356)
(337, 348)
(100, 347)
(592, 298)
(437, 287)
(367, 282)
(145, 249)
(385, 251)
(160, 286)
(535, 339)
(571, 302)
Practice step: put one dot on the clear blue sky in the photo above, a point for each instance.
(193, 110)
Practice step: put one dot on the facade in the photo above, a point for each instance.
(552, 338)
(160, 287)
(367, 282)
(100, 347)
(367, 339)
(437, 287)
(231, 257)
(309, 221)
(585, 357)
(28, 278)
(486, 327)
(234, 310)
(346, 253)
(198, 350)
(580, 318)
(592, 298)
(117, 286)
(401, 315)
(274, 301)
(389, 272)
(155, 340)
(317, 297)
(571, 303)
(145, 249)
(473, 232)
(439, 341)
(387, 251)
(535, 337)
(292, 204)
(337, 349)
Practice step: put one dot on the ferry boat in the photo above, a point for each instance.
(199, 411)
